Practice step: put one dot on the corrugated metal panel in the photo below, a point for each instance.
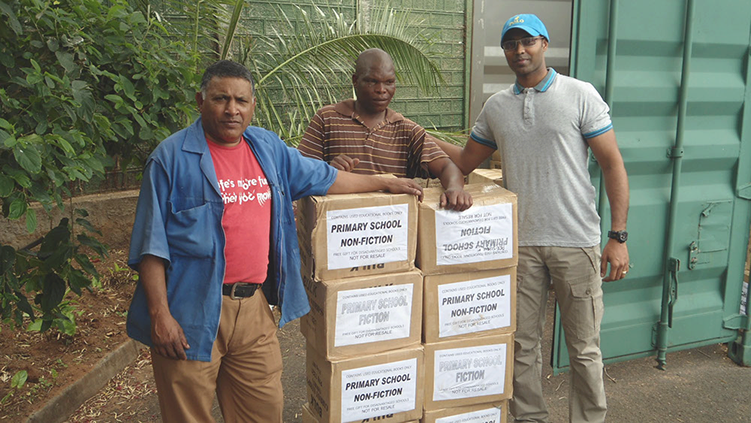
(706, 230)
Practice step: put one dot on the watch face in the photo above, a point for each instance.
(622, 236)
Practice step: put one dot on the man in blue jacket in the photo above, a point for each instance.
(214, 223)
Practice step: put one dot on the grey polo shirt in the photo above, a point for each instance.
(542, 134)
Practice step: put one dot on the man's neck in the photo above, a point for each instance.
(531, 80)
(369, 118)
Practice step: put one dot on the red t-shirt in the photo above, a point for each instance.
(247, 212)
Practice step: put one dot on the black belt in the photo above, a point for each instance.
(240, 289)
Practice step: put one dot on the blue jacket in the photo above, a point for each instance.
(179, 218)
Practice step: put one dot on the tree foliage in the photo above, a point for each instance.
(83, 84)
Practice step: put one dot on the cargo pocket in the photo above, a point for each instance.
(584, 314)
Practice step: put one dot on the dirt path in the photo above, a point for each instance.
(700, 385)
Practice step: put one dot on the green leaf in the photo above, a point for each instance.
(128, 87)
(66, 60)
(35, 326)
(85, 264)
(24, 306)
(19, 379)
(31, 220)
(6, 186)
(28, 157)
(5, 124)
(18, 175)
(7, 139)
(53, 291)
(76, 281)
(94, 244)
(17, 208)
(7, 258)
(12, 20)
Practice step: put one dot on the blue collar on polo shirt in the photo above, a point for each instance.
(542, 86)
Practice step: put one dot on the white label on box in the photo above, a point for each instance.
(474, 306)
(373, 314)
(481, 233)
(490, 415)
(366, 236)
(379, 390)
(469, 372)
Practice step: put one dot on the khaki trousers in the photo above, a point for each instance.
(575, 277)
(245, 370)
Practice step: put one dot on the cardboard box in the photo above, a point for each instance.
(428, 183)
(309, 417)
(480, 238)
(349, 235)
(483, 413)
(356, 316)
(486, 176)
(366, 387)
(463, 305)
(468, 371)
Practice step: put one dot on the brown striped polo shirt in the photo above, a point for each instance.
(397, 145)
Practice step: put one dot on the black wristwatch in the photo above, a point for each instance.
(620, 236)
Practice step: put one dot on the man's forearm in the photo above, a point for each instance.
(153, 279)
(449, 174)
(616, 186)
(351, 183)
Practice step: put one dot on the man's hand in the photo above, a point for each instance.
(456, 199)
(344, 162)
(403, 186)
(616, 254)
(167, 337)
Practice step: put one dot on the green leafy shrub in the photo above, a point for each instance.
(84, 85)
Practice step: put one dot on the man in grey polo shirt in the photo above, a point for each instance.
(544, 125)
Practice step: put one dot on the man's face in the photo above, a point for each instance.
(375, 87)
(227, 109)
(525, 60)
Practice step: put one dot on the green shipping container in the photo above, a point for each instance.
(676, 75)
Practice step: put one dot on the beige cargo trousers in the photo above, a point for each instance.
(574, 274)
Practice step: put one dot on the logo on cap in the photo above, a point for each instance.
(517, 20)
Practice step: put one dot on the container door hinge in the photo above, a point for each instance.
(744, 192)
(737, 322)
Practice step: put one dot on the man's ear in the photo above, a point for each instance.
(199, 100)
(544, 44)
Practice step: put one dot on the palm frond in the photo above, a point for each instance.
(307, 62)
(203, 22)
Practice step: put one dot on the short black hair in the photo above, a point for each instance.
(226, 69)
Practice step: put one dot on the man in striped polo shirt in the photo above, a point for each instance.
(364, 136)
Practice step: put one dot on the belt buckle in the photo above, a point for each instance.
(232, 292)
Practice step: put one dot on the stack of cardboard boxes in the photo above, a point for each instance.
(364, 358)
(468, 260)
(384, 342)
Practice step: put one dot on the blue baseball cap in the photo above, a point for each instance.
(527, 22)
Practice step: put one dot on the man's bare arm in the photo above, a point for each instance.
(454, 197)
(468, 158)
(605, 149)
(167, 336)
(349, 183)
